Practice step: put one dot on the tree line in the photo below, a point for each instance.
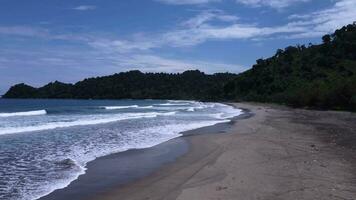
(319, 76)
(191, 84)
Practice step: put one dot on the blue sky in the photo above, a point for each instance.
(68, 40)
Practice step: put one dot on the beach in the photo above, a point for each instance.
(271, 152)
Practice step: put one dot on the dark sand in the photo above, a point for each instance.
(278, 153)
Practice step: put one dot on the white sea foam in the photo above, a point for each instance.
(25, 113)
(59, 184)
(180, 101)
(218, 115)
(144, 107)
(125, 107)
(172, 104)
(192, 109)
(144, 138)
(105, 140)
(91, 121)
(168, 113)
(119, 107)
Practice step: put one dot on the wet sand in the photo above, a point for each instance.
(277, 153)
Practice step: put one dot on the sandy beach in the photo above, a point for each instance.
(272, 153)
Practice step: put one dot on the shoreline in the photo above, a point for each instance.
(278, 153)
(122, 168)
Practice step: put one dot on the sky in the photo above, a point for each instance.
(68, 40)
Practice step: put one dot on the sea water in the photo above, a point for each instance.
(46, 144)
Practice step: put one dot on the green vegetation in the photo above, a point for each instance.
(318, 76)
(133, 85)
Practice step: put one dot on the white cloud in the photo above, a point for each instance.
(85, 7)
(314, 24)
(326, 20)
(156, 63)
(209, 15)
(212, 25)
(123, 46)
(277, 4)
(203, 33)
(26, 31)
(217, 25)
(38, 32)
(186, 2)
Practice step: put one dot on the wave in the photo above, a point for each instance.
(144, 107)
(26, 113)
(218, 116)
(168, 113)
(227, 112)
(124, 107)
(119, 107)
(72, 161)
(181, 101)
(192, 109)
(93, 121)
(147, 138)
(172, 104)
(49, 188)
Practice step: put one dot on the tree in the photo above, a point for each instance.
(326, 39)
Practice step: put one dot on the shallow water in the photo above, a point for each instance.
(46, 144)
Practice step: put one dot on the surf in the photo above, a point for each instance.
(25, 113)
(99, 119)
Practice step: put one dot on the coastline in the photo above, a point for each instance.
(117, 169)
(278, 153)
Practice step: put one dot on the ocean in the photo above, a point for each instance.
(46, 144)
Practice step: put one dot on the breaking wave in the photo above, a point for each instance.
(25, 113)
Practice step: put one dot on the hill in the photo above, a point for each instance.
(194, 85)
(319, 76)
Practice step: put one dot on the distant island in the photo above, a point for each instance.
(320, 76)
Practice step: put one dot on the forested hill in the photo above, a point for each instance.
(320, 76)
(133, 85)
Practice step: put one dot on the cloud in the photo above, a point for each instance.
(26, 31)
(200, 29)
(156, 63)
(189, 33)
(85, 7)
(209, 15)
(210, 25)
(325, 21)
(187, 2)
(38, 32)
(216, 25)
(123, 46)
(276, 4)
(206, 32)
